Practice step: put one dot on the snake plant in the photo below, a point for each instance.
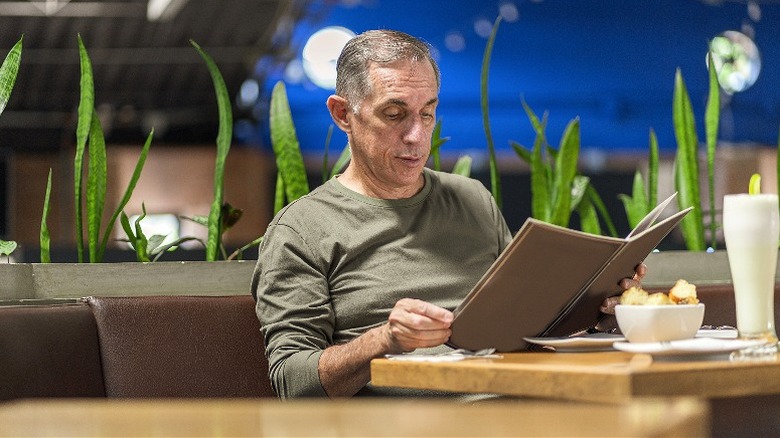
(8, 72)
(686, 169)
(90, 139)
(557, 189)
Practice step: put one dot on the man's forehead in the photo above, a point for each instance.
(402, 70)
(398, 82)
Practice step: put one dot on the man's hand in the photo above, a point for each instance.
(636, 280)
(345, 368)
(608, 306)
(416, 324)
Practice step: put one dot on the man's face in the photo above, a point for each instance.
(390, 136)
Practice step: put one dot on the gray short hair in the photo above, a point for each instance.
(380, 46)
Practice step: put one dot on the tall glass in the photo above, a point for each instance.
(751, 228)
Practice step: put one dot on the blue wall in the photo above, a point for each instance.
(611, 63)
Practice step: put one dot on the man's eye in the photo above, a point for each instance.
(393, 116)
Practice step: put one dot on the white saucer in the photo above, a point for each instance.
(695, 346)
(592, 342)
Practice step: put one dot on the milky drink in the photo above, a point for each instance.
(751, 228)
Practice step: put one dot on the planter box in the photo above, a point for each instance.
(54, 281)
(701, 268)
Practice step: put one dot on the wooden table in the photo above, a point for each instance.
(115, 417)
(612, 376)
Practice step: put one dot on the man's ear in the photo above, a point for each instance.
(339, 108)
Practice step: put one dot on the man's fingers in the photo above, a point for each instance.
(422, 311)
(608, 305)
(640, 271)
(628, 283)
(418, 324)
(419, 338)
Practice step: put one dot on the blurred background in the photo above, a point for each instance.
(610, 63)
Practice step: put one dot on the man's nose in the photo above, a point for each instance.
(416, 131)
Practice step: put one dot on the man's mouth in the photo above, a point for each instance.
(411, 160)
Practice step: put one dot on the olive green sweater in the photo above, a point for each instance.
(334, 262)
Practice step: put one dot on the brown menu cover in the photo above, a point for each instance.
(550, 281)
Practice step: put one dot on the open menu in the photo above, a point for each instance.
(551, 280)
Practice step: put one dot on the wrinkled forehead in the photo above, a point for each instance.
(401, 76)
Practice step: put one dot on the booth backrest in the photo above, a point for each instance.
(165, 346)
(49, 351)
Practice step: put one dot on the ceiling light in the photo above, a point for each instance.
(737, 61)
(321, 53)
(163, 10)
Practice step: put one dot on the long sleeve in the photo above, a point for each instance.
(294, 309)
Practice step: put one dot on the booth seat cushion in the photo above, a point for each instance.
(49, 351)
(166, 346)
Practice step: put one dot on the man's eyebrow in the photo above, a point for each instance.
(403, 103)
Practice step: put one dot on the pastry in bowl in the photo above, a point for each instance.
(656, 317)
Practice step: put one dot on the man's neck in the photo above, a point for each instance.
(366, 186)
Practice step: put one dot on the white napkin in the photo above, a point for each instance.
(449, 356)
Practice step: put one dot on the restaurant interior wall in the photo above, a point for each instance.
(609, 63)
(612, 64)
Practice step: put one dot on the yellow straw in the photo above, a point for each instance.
(754, 187)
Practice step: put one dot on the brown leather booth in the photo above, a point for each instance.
(49, 351)
(164, 346)
(156, 346)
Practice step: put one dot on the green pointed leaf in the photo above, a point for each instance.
(629, 206)
(589, 221)
(8, 72)
(522, 152)
(224, 138)
(159, 251)
(45, 237)
(436, 139)
(436, 142)
(238, 254)
(84, 123)
(534, 119)
(341, 163)
(601, 209)
(652, 171)
(711, 122)
(279, 194)
(141, 242)
(128, 192)
(463, 166)
(687, 167)
(125, 222)
(7, 247)
(579, 187)
(325, 157)
(540, 201)
(289, 160)
(154, 243)
(565, 169)
(495, 180)
(636, 205)
(96, 187)
(198, 219)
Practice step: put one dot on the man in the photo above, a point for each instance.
(373, 261)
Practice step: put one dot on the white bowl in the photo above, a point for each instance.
(647, 323)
